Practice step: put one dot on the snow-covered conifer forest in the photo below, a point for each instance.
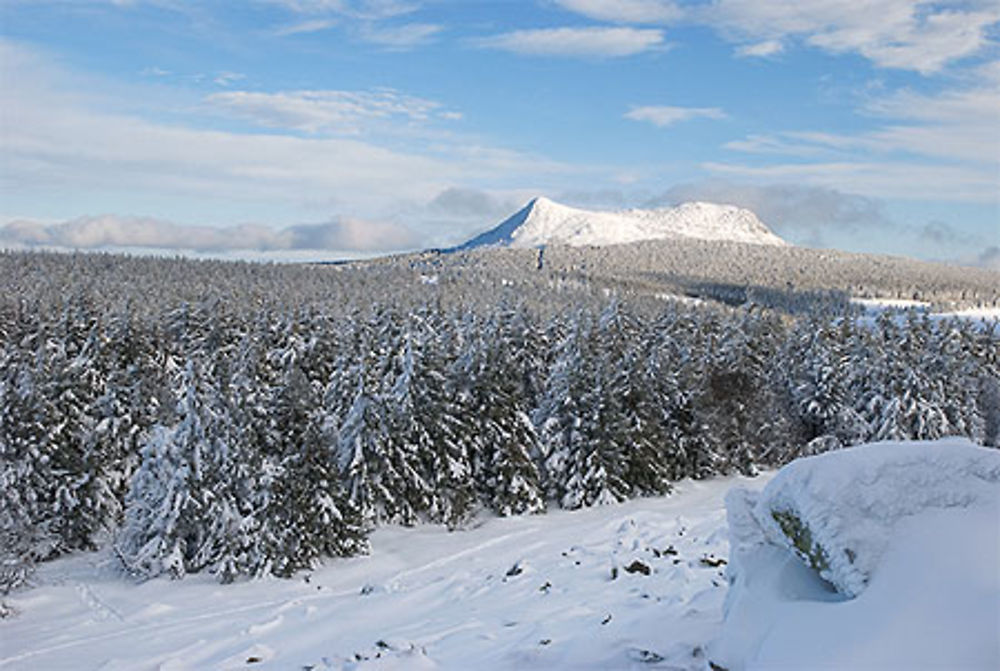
(248, 419)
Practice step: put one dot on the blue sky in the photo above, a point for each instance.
(339, 127)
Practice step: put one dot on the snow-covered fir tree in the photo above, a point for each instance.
(252, 419)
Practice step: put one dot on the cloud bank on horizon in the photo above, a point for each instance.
(867, 125)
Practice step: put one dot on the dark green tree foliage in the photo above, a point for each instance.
(84, 499)
(436, 426)
(25, 518)
(491, 415)
(308, 513)
(820, 386)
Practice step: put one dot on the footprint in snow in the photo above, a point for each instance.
(264, 627)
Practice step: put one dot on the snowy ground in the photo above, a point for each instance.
(911, 530)
(981, 314)
(545, 592)
(879, 304)
(876, 305)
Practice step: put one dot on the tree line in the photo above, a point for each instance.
(249, 439)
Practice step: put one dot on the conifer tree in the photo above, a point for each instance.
(164, 527)
(493, 415)
(311, 515)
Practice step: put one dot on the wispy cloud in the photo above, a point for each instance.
(153, 71)
(905, 34)
(228, 78)
(363, 9)
(881, 179)
(406, 36)
(776, 144)
(304, 27)
(464, 202)
(58, 139)
(917, 35)
(904, 154)
(332, 112)
(761, 49)
(626, 11)
(113, 231)
(663, 115)
(591, 42)
(801, 213)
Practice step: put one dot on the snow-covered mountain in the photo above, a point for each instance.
(545, 222)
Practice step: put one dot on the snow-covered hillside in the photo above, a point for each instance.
(631, 586)
(544, 222)
(636, 585)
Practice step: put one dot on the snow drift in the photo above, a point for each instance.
(544, 222)
(880, 556)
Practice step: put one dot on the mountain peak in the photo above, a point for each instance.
(545, 222)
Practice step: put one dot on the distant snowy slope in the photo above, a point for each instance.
(544, 222)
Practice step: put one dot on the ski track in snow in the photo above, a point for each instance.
(550, 591)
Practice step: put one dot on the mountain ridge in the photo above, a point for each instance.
(544, 222)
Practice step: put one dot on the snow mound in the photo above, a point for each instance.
(906, 537)
(545, 222)
(836, 510)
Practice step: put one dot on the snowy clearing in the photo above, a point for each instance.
(874, 306)
(561, 590)
(982, 314)
(879, 304)
(910, 530)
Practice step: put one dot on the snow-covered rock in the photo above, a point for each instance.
(545, 222)
(837, 510)
(906, 537)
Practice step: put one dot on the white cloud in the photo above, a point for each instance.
(228, 78)
(336, 112)
(113, 231)
(304, 27)
(363, 9)
(920, 35)
(960, 125)
(878, 179)
(942, 146)
(464, 202)
(594, 42)
(774, 144)
(406, 36)
(801, 213)
(66, 152)
(915, 35)
(351, 234)
(626, 11)
(975, 105)
(761, 49)
(663, 116)
(363, 19)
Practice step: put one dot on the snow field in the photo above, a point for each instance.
(563, 590)
(908, 534)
